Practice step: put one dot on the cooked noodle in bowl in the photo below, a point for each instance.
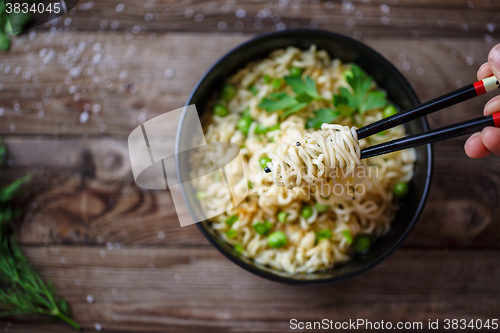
(296, 113)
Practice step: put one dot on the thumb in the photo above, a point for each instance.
(494, 60)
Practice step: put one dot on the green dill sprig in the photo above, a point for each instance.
(22, 290)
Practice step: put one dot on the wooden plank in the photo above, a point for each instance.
(367, 18)
(83, 192)
(145, 78)
(194, 289)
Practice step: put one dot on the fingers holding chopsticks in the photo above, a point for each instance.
(475, 148)
(492, 67)
(484, 143)
(492, 106)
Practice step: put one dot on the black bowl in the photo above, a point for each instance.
(386, 76)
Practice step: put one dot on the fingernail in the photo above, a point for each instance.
(472, 136)
(495, 57)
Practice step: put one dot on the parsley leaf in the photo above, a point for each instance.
(361, 99)
(323, 115)
(277, 101)
(294, 109)
(281, 101)
(303, 88)
(4, 42)
(346, 110)
(374, 100)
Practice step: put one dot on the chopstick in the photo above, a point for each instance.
(448, 132)
(472, 90)
(440, 134)
(467, 127)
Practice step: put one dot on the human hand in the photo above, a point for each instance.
(482, 144)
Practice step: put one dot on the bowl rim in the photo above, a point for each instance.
(322, 281)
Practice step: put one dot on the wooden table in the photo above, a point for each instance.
(71, 93)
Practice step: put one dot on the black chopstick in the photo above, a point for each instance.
(448, 132)
(440, 134)
(444, 101)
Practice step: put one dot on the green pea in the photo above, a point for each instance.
(246, 113)
(238, 249)
(231, 219)
(262, 228)
(227, 92)
(201, 195)
(362, 243)
(277, 239)
(244, 124)
(348, 236)
(231, 233)
(282, 216)
(267, 79)
(250, 185)
(400, 189)
(307, 211)
(254, 90)
(323, 234)
(295, 71)
(263, 161)
(390, 110)
(261, 129)
(221, 110)
(321, 208)
(276, 83)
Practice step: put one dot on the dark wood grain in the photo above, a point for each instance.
(197, 289)
(426, 18)
(433, 67)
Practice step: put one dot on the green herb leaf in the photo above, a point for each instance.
(303, 98)
(23, 291)
(4, 42)
(281, 101)
(323, 115)
(345, 110)
(374, 100)
(16, 22)
(8, 192)
(294, 109)
(277, 101)
(300, 87)
(344, 98)
(361, 99)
